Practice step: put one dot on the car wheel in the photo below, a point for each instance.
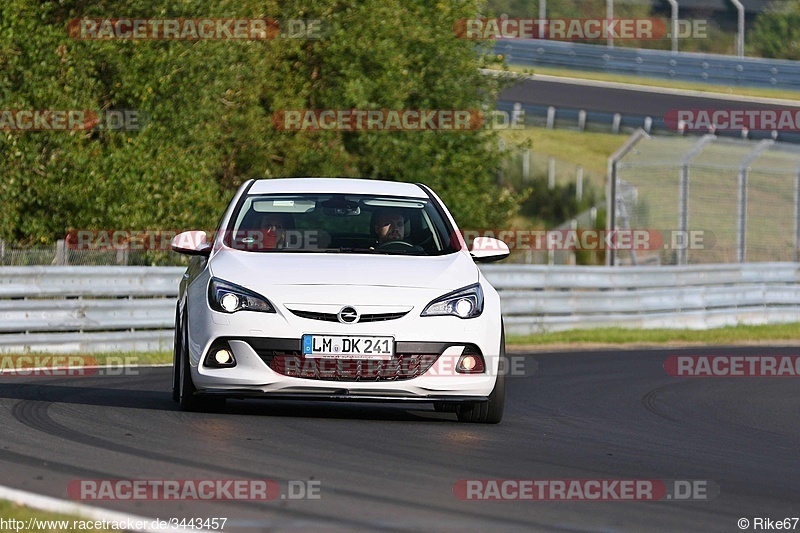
(188, 399)
(176, 354)
(489, 412)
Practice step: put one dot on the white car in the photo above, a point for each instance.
(339, 289)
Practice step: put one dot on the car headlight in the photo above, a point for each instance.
(226, 297)
(463, 303)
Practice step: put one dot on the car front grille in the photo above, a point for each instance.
(399, 368)
(332, 317)
(285, 356)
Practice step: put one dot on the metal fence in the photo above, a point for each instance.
(117, 309)
(712, 200)
(683, 66)
(525, 169)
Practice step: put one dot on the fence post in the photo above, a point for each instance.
(61, 253)
(517, 116)
(122, 256)
(683, 193)
(551, 117)
(744, 172)
(582, 119)
(551, 173)
(573, 225)
(542, 21)
(611, 187)
(579, 184)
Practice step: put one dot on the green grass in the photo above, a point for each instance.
(618, 336)
(134, 358)
(577, 337)
(11, 511)
(589, 149)
(115, 359)
(657, 82)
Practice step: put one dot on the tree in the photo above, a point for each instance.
(776, 32)
(208, 108)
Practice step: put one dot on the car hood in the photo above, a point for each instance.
(253, 268)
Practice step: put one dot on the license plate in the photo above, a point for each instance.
(347, 347)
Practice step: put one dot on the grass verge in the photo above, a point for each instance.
(776, 333)
(11, 361)
(588, 149)
(741, 334)
(40, 521)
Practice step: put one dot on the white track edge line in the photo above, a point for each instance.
(56, 505)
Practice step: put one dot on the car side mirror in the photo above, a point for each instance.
(191, 243)
(488, 249)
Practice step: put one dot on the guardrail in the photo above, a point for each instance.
(587, 120)
(540, 298)
(684, 66)
(87, 309)
(96, 309)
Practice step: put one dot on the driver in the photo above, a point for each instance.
(389, 225)
(272, 227)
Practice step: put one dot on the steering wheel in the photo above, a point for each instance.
(400, 246)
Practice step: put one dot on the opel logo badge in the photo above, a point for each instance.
(348, 315)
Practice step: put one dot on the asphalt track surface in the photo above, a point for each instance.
(592, 415)
(616, 100)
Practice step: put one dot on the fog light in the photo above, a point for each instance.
(229, 302)
(223, 357)
(470, 363)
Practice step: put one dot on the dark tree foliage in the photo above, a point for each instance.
(208, 108)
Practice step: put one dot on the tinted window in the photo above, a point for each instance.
(339, 223)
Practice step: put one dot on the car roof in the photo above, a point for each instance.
(337, 185)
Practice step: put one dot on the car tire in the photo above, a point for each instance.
(176, 354)
(187, 393)
(491, 411)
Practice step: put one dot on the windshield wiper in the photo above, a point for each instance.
(351, 250)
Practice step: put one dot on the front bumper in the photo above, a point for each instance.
(340, 395)
(276, 368)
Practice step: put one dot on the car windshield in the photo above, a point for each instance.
(340, 223)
